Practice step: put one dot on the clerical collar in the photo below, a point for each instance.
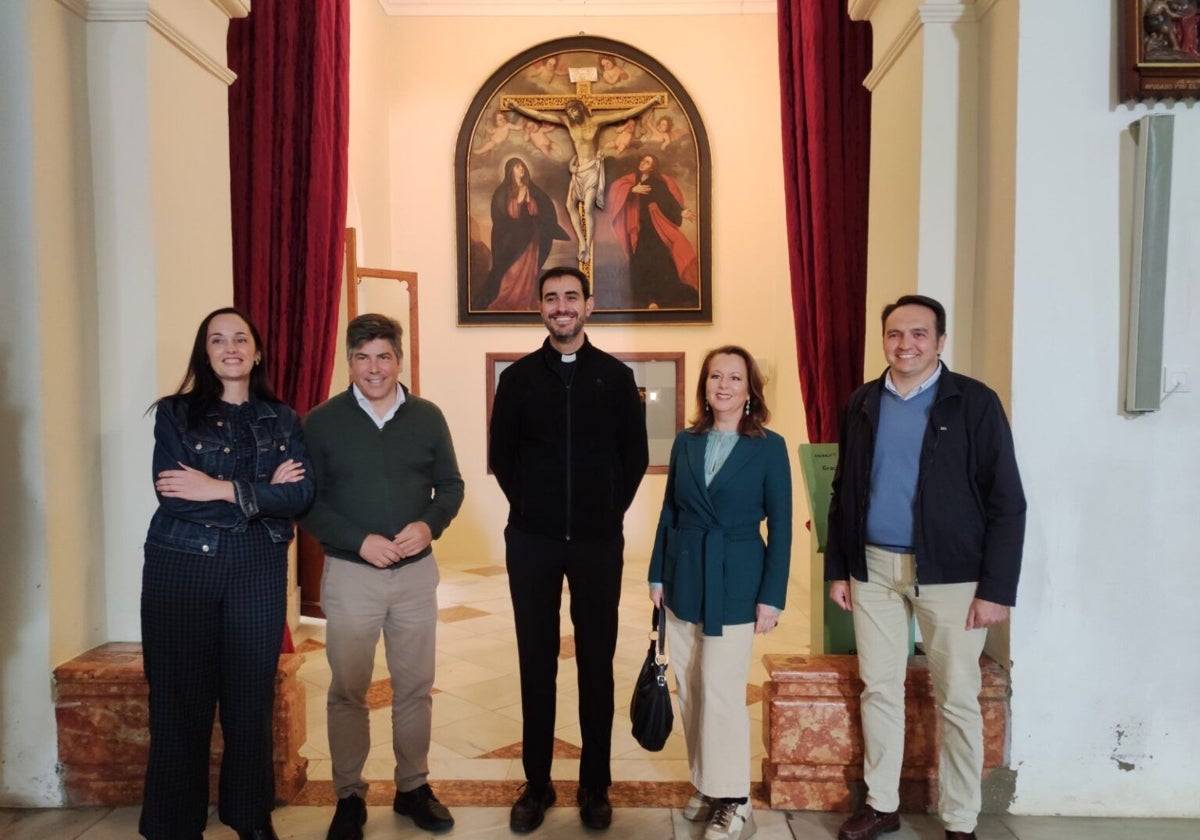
(567, 358)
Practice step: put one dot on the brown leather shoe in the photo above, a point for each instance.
(868, 824)
(960, 835)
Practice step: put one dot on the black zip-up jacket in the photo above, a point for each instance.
(568, 456)
(969, 509)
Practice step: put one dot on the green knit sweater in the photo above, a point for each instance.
(377, 481)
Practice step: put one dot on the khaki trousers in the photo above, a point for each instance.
(360, 601)
(710, 676)
(882, 608)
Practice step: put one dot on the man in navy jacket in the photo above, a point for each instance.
(568, 446)
(927, 517)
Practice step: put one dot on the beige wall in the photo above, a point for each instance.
(114, 222)
(67, 363)
(412, 80)
(992, 345)
(895, 182)
(189, 183)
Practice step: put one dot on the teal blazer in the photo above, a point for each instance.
(709, 554)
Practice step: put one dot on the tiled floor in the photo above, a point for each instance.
(476, 737)
(477, 702)
(311, 823)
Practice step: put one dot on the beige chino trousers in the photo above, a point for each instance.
(882, 608)
(359, 602)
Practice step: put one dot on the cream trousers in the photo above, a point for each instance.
(882, 608)
(710, 675)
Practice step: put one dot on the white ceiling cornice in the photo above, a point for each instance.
(574, 8)
(142, 11)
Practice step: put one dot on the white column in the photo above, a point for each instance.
(118, 94)
(147, 62)
(949, 167)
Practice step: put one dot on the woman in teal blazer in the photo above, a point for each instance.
(719, 580)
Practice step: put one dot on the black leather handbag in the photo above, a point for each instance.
(650, 708)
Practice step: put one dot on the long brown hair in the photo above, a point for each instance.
(752, 424)
(201, 388)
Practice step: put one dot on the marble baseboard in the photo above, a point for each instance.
(813, 732)
(103, 733)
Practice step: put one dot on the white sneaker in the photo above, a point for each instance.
(699, 808)
(730, 821)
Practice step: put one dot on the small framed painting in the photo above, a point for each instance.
(659, 379)
(1160, 49)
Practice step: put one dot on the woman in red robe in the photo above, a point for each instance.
(647, 209)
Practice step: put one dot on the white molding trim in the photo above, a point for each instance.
(926, 13)
(233, 8)
(139, 11)
(893, 52)
(947, 12)
(861, 9)
(78, 7)
(574, 8)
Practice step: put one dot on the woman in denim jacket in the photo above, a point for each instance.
(231, 473)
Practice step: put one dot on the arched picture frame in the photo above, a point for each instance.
(587, 152)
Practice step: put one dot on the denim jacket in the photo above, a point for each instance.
(197, 527)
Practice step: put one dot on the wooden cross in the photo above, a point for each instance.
(583, 92)
(540, 104)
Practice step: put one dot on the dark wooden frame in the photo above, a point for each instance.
(477, 176)
(492, 376)
(1155, 72)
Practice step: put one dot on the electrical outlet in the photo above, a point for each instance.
(1177, 380)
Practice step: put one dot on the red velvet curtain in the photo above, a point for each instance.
(823, 59)
(288, 150)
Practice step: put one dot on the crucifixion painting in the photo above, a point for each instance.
(586, 152)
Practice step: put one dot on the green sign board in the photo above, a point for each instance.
(819, 461)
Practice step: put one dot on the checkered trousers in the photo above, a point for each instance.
(212, 628)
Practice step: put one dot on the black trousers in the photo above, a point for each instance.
(536, 568)
(212, 628)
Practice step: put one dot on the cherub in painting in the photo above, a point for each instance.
(537, 134)
(624, 136)
(546, 71)
(497, 133)
(661, 131)
(611, 71)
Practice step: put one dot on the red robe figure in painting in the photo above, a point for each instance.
(524, 226)
(647, 208)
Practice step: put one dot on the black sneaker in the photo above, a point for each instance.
(348, 819)
(530, 809)
(424, 808)
(594, 808)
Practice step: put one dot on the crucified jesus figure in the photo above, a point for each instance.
(587, 166)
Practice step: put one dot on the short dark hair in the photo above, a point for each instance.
(371, 326)
(939, 311)
(565, 271)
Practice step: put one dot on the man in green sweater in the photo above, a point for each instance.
(387, 486)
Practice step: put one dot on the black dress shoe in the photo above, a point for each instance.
(424, 808)
(530, 809)
(267, 832)
(594, 808)
(348, 819)
(960, 835)
(868, 824)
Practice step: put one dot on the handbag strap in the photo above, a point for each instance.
(658, 635)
